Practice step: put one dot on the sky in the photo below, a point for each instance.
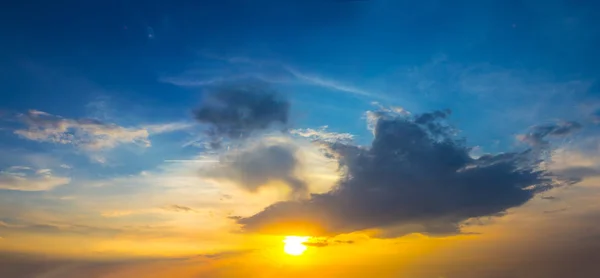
(451, 139)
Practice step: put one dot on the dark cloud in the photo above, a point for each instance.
(178, 208)
(578, 173)
(236, 111)
(555, 211)
(258, 165)
(414, 174)
(326, 242)
(537, 135)
(316, 243)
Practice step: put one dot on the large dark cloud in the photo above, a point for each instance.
(259, 164)
(235, 111)
(415, 175)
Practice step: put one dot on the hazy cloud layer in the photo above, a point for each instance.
(26, 179)
(416, 175)
(235, 111)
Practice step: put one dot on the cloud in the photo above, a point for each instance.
(25, 179)
(322, 135)
(166, 128)
(328, 83)
(326, 242)
(415, 175)
(90, 135)
(244, 68)
(236, 111)
(537, 135)
(178, 208)
(259, 164)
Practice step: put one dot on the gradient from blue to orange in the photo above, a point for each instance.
(105, 171)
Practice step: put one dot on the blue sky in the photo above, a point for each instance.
(124, 77)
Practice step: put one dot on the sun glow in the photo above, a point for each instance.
(294, 245)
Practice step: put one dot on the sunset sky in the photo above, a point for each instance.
(300, 138)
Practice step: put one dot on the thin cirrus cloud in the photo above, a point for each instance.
(267, 71)
(328, 83)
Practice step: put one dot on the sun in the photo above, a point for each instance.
(294, 245)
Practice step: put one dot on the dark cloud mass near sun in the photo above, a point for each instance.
(414, 175)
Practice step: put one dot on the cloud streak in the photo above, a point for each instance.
(328, 83)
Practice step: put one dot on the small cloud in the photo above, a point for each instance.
(536, 137)
(43, 172)
(167, 127)
(178, 208)
(555, 211)
(322, 135)
(328, 83)
(24, 179)
(18, 168)
(316, 244)
(65, 166)
(66, 198)
(226, 196)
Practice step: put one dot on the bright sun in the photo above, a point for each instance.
(293, 245)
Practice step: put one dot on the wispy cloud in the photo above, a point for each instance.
(21, 178)
(321, 134)
(89, 135)
(178, 208)
(328, 83)
(239, 68)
